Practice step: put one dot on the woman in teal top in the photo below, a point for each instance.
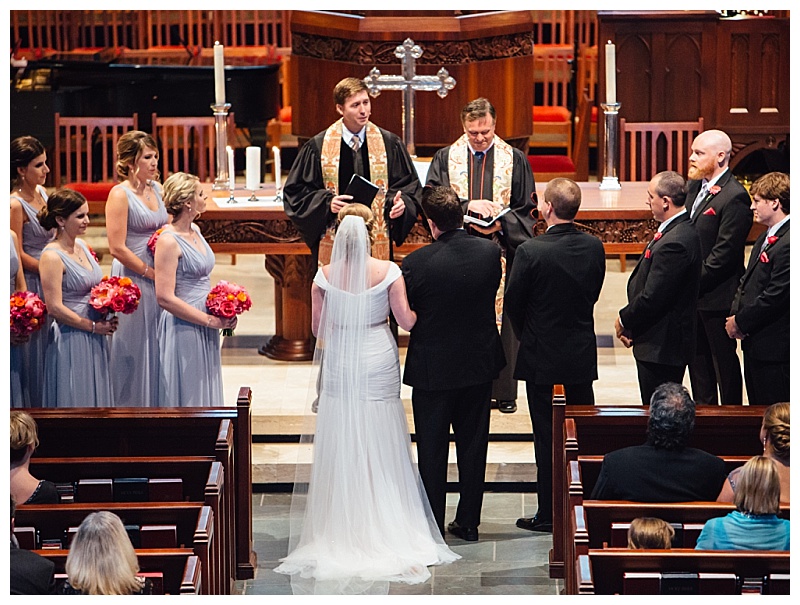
(754, 525)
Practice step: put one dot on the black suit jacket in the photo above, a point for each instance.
(761, 305)
(662, 297)
(644, 473)
(722, 222)
(550, 297)
(31, 574)
(452, 284)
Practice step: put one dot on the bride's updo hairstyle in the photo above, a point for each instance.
(361, 211)
(62, 203)
(179, 188)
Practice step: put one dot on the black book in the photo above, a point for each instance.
(134, 533)
(362, 190)
(131, 489)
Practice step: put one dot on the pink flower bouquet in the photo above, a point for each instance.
(227, 300)
(151, 243)
(115, 295)
(28, 313)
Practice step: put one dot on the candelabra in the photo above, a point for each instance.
(610, 180)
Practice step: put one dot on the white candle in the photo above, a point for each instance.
(276, 152)
(253, 168)
(219, 74)
(231, 181)
(611, 73)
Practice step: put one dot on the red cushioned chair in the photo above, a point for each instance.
(575, 166)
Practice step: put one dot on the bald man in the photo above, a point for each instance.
(720, 210)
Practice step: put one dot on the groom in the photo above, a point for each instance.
(453, 355)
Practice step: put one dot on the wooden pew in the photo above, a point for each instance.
(225, 431)
(730, 430)
(603, 571)
(180, 566)
(194, 523)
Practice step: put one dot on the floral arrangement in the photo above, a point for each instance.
(28, 313)
(151, 243)
(93, 253)
(115, 295)
(227, 300)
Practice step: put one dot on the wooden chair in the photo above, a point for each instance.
(188, 144)
(552, 118)
(647, 148)
(576, 166)
(252, 28)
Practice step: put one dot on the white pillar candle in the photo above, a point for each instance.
(611, 73)
(276, 152)
(219, 74)
(253, 168)
(231, 181)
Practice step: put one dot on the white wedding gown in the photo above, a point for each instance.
(365, 519)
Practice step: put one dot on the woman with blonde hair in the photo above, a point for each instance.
(134, 211)
(102, 561)
(650, 532)
(754, 525)
(25, 488)
(774, 436)
(190, 365)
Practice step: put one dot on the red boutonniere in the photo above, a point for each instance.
(764, 258)
(657, 236)
(714, 189)
(647, 253)
(710, 212)
(772, 239)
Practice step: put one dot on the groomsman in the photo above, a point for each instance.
(659, 320)
(760, 311)
(720, 212)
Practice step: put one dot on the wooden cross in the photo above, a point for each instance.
(409, 82)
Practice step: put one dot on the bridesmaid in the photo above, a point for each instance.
(191, 369)
(76, 364)
(28, 174)
(19, 395)
(133, 212)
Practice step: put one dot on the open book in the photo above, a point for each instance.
(488, 221)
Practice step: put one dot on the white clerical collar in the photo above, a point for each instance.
(473, 152)
(348, 136)
(663, 225)
(774, 229)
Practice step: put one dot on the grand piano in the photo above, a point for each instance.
(109, 82)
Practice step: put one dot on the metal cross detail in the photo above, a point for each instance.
(409, 82)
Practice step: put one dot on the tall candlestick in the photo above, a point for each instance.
(611, 73)
(231, 180)
(219, 74)
(276, 152)
(253, 168)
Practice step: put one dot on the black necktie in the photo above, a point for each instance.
(477, 175)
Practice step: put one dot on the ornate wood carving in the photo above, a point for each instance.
(249, 232)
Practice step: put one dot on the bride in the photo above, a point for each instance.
(363, 519)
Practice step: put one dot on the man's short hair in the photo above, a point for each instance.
(565, 197)
(671, 417)
(441, 205)
(773, 186)
(672, 185)
(347, 88)
(477, 109)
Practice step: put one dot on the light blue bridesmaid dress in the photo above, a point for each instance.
(19, 395)
(134, 345)
(77, 362)
(191, 368)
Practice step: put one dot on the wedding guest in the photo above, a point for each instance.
(190, 366)
(754, 525)
(133, 212)
(650, 532)
(26, 488)
(19, 391)
(29, 172)
(102, 561)
(775, 437)
(31, 574)
(77, 358)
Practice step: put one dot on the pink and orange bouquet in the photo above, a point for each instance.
(151, 243)
(115, 295)
(227, 300)
(28, 313)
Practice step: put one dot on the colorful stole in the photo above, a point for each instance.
(458, 172)
(379, 173)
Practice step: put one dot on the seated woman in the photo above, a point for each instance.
(25, 487)
(650, 532)
(775, 437)
(754, 525)
(102, 561)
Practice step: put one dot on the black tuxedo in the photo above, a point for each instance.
(454, 353)
(761, 307)
(31, 574)
(662, 302)
(550, 297)
(722, 222)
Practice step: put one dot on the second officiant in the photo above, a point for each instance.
(489, 175)
(313, 192)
